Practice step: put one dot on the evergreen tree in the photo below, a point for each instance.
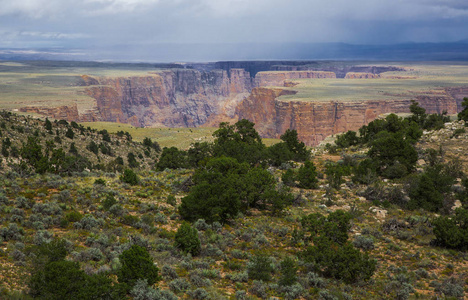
(70, 134)
(137, 264)
(463, 115)
(307, 176)
(48, 125)
(296, 147)
(187, 240)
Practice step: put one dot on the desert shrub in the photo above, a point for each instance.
(116, 210)
(363, 242)
(241, 295)
(260, 268)
(43, 237)
(187, 240)
(100, 181)
(198, 280)
(199, 294)
(89, 222)
(169, 272)
(422, 273)
(179, 285)
(129, 220)
(137, 264)
(73, 216)
(160, 218)
(11, 232)
(314, 280)
(293, 291)
(201, 225)
(451, 287)
(94, 254)
(4, 199)
(141, 291)
(258, 289)
(22, 202)
(171, 200)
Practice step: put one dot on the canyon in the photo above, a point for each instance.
(195, 95)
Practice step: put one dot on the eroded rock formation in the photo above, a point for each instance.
(316, 120)
(205, 97)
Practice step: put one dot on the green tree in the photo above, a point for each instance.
(187, 240)
(199, 152)
(137, 264)
(260, 268)
(289, 178)
(331, 252)
(452, 232)
(365, 172)
(132, 162)
(279, 153)
(240, 141)
(463, 115)
(172, 158)
(296, 147)
(93, 147)
(129, 176)
(47, 125)
(288, 272)
(73, 150)
(347, 139)
(418, 113)
(307, 176)
(335, 173)
(391, 151)
(70, 134)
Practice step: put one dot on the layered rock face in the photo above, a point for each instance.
(357, 75)
(206, 97)
(61, 112)
(172, 98)
(316, 120)
(281, 78)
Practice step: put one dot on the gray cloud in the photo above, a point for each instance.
(147, 23)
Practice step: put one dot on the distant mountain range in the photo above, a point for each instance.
(456, 51)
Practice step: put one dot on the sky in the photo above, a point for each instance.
(140, 26)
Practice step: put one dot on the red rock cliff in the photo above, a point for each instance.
(173, 98)
(316, 120)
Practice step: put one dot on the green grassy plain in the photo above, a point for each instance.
(428, 78)
(181, 138)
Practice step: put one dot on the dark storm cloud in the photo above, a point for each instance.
(141, 25)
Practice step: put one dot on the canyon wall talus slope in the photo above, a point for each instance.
(316, 120)
(172, 98)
